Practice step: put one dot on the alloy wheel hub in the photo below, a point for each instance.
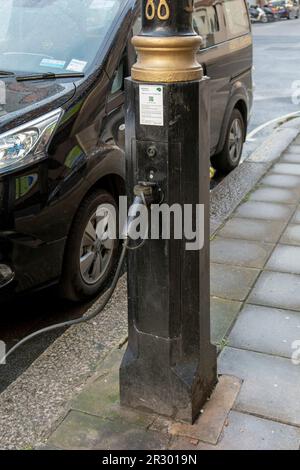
(96, 247)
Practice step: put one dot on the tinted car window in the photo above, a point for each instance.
(137, 26)
(118, 80)
(52, 35)
(206, 24)
(236, 17)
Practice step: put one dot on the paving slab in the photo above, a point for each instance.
(80, 431)
(209, 425)
(250, 229)
(281, 290)
(231, 282)
(222, 314)
(232, 190)
(296, 218)
(295, 148)
(286, 168)
(274, 194)
(291, 236)
(293, 123)
(102, 398)
(110, 363)
(265, 211)
(271, 384)
(181, 443)
(240, 252)
(282, 181)
(285, 258)
(275, 145)
(246, 432)
(290, 157)
(266, 330)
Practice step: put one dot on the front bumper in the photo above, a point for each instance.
(32, 234)
(29, 265)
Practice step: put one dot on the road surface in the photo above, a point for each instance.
(276, 62)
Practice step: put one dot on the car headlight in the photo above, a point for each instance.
(27, 143)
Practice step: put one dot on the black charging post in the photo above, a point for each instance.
(170, 365)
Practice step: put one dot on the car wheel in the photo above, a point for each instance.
(230, 156)
(90, 257)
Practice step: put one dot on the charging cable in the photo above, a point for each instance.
(144, 194)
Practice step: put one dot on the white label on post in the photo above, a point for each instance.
(151, 105)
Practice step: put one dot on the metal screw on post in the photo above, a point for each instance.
(151, 151)
(170, 365)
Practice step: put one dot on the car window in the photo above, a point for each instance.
(54, 35)
(119, 79)
(236, 18)
(206, 24)
(137, 26)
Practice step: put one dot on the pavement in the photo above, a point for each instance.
(255, 310)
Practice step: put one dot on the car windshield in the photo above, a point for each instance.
(61, 36)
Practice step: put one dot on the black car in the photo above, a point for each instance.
(62, 70)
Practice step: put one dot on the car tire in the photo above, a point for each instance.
(229, 158)
(89, 263)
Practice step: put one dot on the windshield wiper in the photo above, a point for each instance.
(48, 76)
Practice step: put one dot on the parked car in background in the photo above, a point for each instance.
(271, 15)
(62, 166)
(288, 9)
(226, 55)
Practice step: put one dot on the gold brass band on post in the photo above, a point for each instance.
(167, 59)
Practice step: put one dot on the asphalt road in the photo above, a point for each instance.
(276, 58)
(276, 62)
(26, 315)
